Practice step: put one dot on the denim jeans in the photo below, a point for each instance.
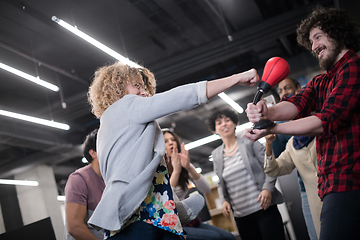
(141, 230)
(340, 216)
(207, 232)
(307, 216)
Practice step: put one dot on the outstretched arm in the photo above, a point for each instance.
(309, 126)
(188, 96)
(248, 78)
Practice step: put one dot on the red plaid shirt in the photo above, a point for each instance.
(335, 96)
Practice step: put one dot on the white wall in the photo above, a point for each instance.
(2, 225)
(40, 202)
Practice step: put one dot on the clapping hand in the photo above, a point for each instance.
(176, 160)
(184, 157)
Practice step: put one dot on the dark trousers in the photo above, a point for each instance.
(261, 225)
(141, 230)
(340, 216)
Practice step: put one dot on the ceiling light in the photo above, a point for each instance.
(94, 42)
(201, 141)
(35, 120)
(84, 160)
(198, 170)
(242, 127)
(19, 182)
(231, 102)
(214, 137)
(36, 80)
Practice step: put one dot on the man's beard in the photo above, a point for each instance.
(327, 62)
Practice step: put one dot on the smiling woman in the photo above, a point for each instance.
(244, 188)
(138, 193)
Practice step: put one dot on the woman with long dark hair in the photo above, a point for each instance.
(181, 172)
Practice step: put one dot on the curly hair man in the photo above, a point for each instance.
(334, 38)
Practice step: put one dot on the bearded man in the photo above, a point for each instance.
(334, 38)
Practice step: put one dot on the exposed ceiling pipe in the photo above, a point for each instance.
(53, 68)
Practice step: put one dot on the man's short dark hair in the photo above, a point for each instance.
(336, 23)
(219, 114)
(90, 143)
(295, 82)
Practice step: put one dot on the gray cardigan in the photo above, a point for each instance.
(252, 154)
(130, 146)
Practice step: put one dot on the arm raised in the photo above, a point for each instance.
(248, 78)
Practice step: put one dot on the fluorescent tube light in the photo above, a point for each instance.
(231, 102)
(201, 141)
(242, 127)
(35, 120)
(95, 43)
(36, 80)
(19, 182)
(214, 137)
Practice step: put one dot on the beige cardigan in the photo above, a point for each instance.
(305, 161)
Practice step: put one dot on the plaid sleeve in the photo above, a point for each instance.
(305, 100)
(342, 100)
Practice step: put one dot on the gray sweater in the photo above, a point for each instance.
(252, 154)
(130, 146)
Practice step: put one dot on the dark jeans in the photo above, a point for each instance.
(340, 216)
(261, 225)
(140, 230)
(207, 232)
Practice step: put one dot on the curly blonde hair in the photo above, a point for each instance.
(109, 84)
